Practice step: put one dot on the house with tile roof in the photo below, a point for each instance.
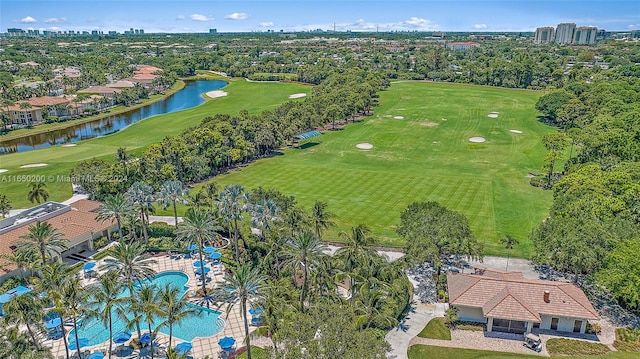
(76, 222)
(507, 302)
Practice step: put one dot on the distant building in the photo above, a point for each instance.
(602, 34)
(213, 31)
(438, 34)
(113, 33)
(565, 33)
(585, 35)
(462, 45)
(544, 35)
(15, 32)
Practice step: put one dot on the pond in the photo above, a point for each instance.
(190, 96)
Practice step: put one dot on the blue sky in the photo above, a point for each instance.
(175, 16)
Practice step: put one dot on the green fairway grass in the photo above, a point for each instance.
(243, 95)
(428, 352)
(423, 157)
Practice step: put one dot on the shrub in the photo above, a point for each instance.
(100, 243)
(593, 328)
(561, 346)
(627, 339)
(476, 327)
(451, 316)
(161, 229)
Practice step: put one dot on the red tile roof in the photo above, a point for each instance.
(100, 89)
(509, 296)
(48, 101)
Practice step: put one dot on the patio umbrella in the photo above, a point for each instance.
(95, 355)
(121, 338)
(82, 342)
(215, 255)
(197, 263)
(209, 249)
(256, 311)
(53, 323)
(206, 270)
(89, 265)
(145, 338)
(192, 247)
(226, 343)
(183, 348)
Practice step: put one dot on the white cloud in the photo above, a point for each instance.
(417, 22)
(237, 16)
(199, 17)
(27, 20)
(479, 26)
(55, 20)
(266, 23)
(181, 17)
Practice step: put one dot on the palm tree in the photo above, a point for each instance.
(321, 218)
(244, 284)
(295, 218)
(141, 196)
(6, 117)
(17, 259)
(115, 207)
(508, 242)
(170, 193)
(355, 253)
(105, 300)
(5, 205)
(149, 303)
(302, 253)
(122, 158)
(27, 310)
(263, 214)
(132, 263)
(199, 227)
(174, 307)
(44, 240)
(38, 193)
(74, 296)
(231, 207)
(370, 301)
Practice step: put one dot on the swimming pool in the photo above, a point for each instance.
(206, 323)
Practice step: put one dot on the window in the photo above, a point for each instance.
(554, 323)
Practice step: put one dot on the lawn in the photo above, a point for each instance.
(436, 329)
(424, 156)
(243, 95)
(426, 351)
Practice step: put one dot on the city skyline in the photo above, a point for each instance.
(198, 16)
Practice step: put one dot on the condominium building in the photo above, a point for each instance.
(585, 35)
(544, 35)
(565, 33)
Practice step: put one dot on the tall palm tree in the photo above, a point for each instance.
(321, 218)
(355, 253)
(115, 207)
(44, 240)
(368, 307)
(27, 310)
(105, 300)
(5, 205)
(38, 192)
(141, 196)
(295, 218)
(199, 227)
(302, 253)
(18, 259)
(508, 242)
(244, 284)
(231, 207)
(170, 193)
(149, 302)
(175, 308)
(263, 215)
(131, 263)
(74, 296)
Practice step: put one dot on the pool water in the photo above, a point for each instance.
(206, 323)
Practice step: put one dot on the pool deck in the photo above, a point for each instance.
(202, 347)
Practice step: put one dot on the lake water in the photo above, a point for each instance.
(190, 96)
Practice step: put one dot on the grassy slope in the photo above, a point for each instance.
(243, 95)
(436, 329)
(423, 158)
(425, 351)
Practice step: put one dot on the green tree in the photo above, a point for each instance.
(621, 274)
(199, 227)
(321, 218)
(550, 103)
(147, 298)
(555, 143)
(231, 203)
(172, 192)
(74, 298)
(175, 308)
(508, 242)
(26, 310)
(115, 207)
(302, 253)
(244, 284)
(140, 195)
(38, 192)
(44, 240)
(5, 205)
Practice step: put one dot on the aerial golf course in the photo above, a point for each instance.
(419, 150)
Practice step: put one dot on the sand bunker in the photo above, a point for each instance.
(216, 93)
(515, 131)
(428, 124)
(3, 170)
(297, 95)
(69, 145)
(399, 117)
(444, 119)
(493, 115)
(34, 165)
(477, 139)
(364, 146)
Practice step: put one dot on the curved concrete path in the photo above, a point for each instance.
(419, 315)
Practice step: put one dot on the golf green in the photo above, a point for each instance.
(421, 151)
